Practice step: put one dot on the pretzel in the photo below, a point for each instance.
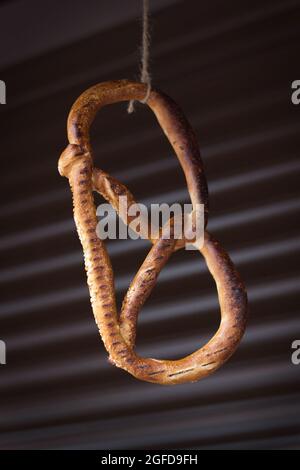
(118, 332)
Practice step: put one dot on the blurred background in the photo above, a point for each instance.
(230, 66)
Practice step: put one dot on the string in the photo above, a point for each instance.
(145, 74)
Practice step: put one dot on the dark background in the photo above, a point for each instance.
(230, 66)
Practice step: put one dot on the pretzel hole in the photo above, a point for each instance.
(184, 299)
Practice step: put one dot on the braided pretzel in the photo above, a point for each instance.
(118, 333)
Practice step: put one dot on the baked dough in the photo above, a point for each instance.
(118, 332)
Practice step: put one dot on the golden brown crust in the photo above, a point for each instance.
(118, 334)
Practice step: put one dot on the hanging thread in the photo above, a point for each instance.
(145, 74)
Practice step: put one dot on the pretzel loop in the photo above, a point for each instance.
(118, 333)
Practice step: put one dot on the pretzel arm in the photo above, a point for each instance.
(111, 189)
(121, 199)
(143, 284)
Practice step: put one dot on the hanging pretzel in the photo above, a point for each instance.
(118, 333)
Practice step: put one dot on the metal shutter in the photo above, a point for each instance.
(230, 66)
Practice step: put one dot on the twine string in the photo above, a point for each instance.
(145, 73)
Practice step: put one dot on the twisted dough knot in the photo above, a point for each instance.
(118, 332)
(72, 155)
